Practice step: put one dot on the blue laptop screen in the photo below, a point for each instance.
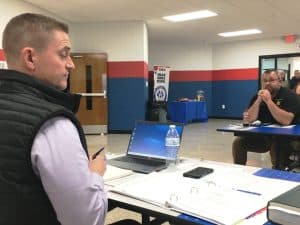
(148, 139)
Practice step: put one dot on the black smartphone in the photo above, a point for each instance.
(198, 172)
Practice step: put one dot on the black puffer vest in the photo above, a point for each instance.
(25, 105)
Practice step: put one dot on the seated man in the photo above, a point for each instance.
(294, 143)
(297, 73)
(272, 104)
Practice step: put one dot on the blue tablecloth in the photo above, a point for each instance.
(188, 111)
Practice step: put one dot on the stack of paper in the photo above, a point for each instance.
(222, 197)
(113, 173)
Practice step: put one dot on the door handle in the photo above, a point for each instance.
(100, 94)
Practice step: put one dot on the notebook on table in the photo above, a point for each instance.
(146, 149)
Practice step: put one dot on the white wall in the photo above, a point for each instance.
(230, 55)
(146, 43)
(244, 54)
(11, 8)
(122, 41)
(181, 57)
(128, 41)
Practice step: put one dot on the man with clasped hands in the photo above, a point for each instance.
(272, 104)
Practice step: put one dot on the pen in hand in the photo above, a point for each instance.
(97, 153)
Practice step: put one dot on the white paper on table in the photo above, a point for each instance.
(239, 127)
(217, 205)
(280, 126)
(113, 173)
(261, 218)
(219, 197)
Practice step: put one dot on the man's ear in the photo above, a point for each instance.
(28, 55)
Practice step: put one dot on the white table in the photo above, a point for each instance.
(163, 213)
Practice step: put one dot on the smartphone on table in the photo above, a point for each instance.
(198, 172)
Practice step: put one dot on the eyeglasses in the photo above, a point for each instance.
(270, 81)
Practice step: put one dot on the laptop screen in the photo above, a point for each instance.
(148, 139)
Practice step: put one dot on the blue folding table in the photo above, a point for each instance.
(187, 111)
(279, 132)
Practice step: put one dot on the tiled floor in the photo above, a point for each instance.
(200, 140)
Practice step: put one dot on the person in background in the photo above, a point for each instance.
(294, 144)
(282, 75)
(272, 104)
(297, 73)
(295, 84)
(46, 176)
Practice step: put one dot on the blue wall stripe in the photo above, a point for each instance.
(235, 95)
(128, 98)
(189, 89)
(127, 102)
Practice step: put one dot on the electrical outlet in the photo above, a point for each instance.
(223, 106)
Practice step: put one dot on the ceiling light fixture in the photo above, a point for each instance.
(190, 16)
(240, 33)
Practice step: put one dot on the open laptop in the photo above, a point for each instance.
(146, 149)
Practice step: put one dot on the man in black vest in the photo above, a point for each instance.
(46, 176)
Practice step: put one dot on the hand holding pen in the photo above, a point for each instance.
(98, 164)
(97, 153)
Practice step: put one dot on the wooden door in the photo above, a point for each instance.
(89, 79)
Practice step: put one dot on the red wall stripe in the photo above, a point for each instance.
(151, 74)
(198, 75)
(236, 74)
(183, 76)
(127, 69)
(212, 75)
(139, 69)
(2, 57)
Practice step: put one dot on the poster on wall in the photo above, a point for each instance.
(161, 83)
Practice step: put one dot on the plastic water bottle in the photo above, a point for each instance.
(172, 144)
(245, 119)
(200, 95)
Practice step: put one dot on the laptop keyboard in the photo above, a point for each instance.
(136, 164)
(132, 166)
(149, 162)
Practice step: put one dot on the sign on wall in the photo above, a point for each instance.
(161, 83)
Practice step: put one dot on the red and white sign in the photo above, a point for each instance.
(161, 83)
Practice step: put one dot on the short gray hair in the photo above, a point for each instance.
(29, 30)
